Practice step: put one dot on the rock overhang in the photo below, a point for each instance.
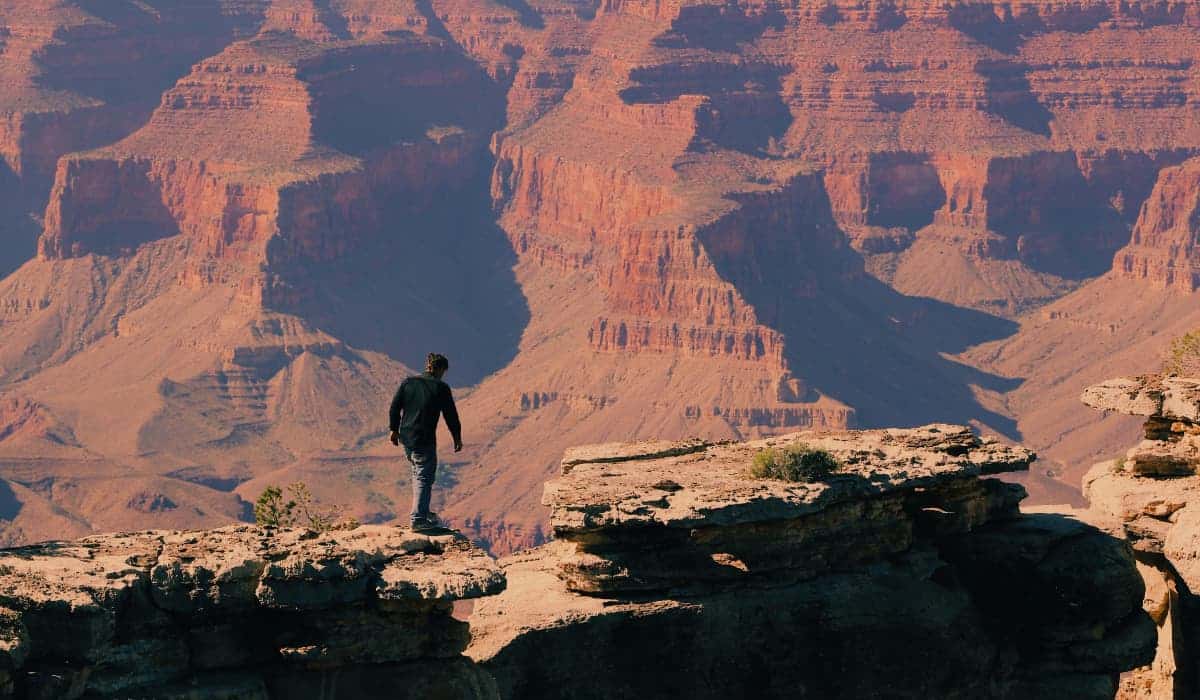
(694, 483)
(1174, 398)
(689, 517)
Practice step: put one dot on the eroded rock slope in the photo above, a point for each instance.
(622, 220)
(242, 612)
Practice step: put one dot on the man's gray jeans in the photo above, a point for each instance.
(424, 471)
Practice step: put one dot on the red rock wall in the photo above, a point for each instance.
(1165, 248)
(67, 71)
(250, 190)
(689, 189)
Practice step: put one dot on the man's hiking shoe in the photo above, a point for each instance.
(426, 524)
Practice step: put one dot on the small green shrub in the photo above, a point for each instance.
(270, 510)
(794, 463)
(1183, 357)
(300, 510)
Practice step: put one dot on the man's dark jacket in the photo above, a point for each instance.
(415, 410)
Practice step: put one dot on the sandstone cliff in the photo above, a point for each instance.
(1151, 492)
(1165, 248)
(66, 69)
(902, 572)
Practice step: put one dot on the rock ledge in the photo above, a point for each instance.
(655, 516)
(251, 610)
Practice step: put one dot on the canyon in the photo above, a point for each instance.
(233, 226)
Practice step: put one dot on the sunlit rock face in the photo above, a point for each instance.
(242, 612)
(900, 573)
(1152, 493)
(244, 222)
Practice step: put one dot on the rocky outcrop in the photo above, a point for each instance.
(680, 574)
(242, 612)
(1153, 492)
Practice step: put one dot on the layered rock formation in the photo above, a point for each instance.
(184, 243)
(307, 146)
(728, 184)
(1151, 492)
(242, 612)
(621, 220)
(67, 86)
(900, 573)
(1165, 248)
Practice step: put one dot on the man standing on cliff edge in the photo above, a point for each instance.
(413, 421)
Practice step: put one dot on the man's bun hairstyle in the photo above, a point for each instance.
(436, 363)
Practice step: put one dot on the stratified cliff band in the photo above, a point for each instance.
(620, 219)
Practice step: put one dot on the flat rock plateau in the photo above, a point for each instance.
(231, 227)
(904, 571)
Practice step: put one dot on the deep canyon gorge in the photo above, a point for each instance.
(231, 227)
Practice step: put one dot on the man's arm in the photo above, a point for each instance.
(450, 413)
(395, 413)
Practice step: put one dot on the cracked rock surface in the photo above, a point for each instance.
(239, 611)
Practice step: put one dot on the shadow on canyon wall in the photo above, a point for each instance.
(851, 336)
(719, 27)
(10, 507)
(337, 23)
(745, 110)
(439, 281)
(19, 227)
(174, 36)
(436, 272)
(527, 14)
(1010, 97)
(886, 354)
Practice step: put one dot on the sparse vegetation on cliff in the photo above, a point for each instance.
(794, 463)
(299, 510)
(1183, 357)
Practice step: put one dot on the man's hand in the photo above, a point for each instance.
(395, 438)
(458, 445)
